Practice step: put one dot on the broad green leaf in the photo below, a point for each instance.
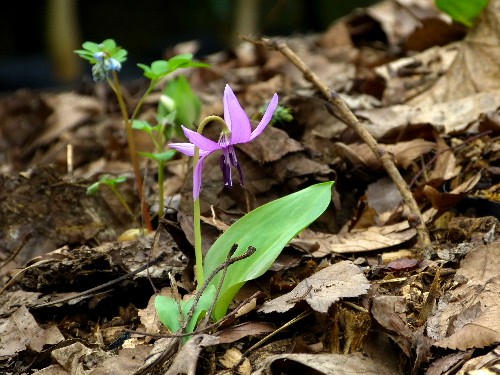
(187, 104)
(267, 228)
(168, 310)
(142, 125)
(463, 11)
(161, 68)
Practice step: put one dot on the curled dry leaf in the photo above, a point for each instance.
(327, 364)
(452, 116)
(467, 317)
(476, 68)
(20, 331)
(373, 238)
(340, 280)
(404, 153)
(272, 147)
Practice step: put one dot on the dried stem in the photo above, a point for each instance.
(206, 283)
(339, 109)
(133, 155)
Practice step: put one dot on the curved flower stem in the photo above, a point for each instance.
(196, 208)
(115, 85)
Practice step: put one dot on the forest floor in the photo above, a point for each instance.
(428, 92)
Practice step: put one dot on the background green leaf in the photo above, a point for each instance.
(187, 104)
(267, 228)
(463, 11)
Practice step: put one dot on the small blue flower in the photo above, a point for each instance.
(103, 66)
(112, 64)
(99, 56)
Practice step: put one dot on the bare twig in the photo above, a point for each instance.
(207, 281)
(92, 291)
(202, 330)
(337, 107)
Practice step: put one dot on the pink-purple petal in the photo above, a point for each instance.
(185, 148)
(197, 177)
(201, 141)
(268, 115)
(236, 119)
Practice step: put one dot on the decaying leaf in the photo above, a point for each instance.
(187, 358)
(370, 239)
(467, 316)
(475, 69)
(340, 280)
(452, 116)
(404, 153)
(327, 364)
(20, 331)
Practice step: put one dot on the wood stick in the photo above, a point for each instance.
(337, 107)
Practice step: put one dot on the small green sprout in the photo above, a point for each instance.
(281, 115)
(107, 59)
(161, 68)
(111, 183)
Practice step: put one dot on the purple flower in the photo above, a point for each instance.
(238, 131)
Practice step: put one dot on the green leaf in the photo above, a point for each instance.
(105, 180)
(108, 46)
(463, 11)
(142, 125)
(161, 68)
(187, 104)
(185, 61)
(168, 310)
(161, 156)
(92, 189)
(267, 228)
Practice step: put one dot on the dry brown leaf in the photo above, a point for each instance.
(389, 311)
(404, 152)
(327, 364)
(373, 238)
(239, 331)
(70, 110)
(340, 280)
(187, 358)
(451, 116)
(476, 68)
(483, 362)
(400, 19)
(446, 164)
(233, 357)
(296, 165)
(383, 196)
(442, 201)
(20, 331)
(467, 316)
(127, 361)
(76, 358)
(273, 146)
(409, 76)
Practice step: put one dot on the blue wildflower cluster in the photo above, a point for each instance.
(104, 65)
(105, 57)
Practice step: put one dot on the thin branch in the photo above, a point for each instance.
(206, 283)
(337, 107)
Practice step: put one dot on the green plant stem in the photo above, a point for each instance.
(115, 85)
(122, 201)
(196, 208)
(138, 107)
(161, 178)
